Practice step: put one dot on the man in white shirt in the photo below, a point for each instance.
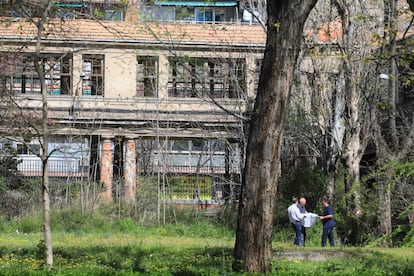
(294, 218)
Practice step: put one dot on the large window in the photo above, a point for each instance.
(202, 77)
(210, 14)
(93, 75)
(147, 72)
(21, 75)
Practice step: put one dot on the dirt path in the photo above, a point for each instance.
(313, 255)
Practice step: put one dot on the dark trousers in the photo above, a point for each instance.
(327, 234)
(297, 227)
(303, 235)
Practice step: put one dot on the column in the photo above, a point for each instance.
(163, 69)
(130, 171)
(77, 74)
(250, 76)
(106, 170)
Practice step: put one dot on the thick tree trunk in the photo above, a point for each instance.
(253, 248)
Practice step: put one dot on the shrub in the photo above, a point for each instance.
(31, 223)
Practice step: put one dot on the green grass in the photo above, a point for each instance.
(99, 244)
(151, 252)
(179, 250)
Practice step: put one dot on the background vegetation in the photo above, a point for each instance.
(99, 243)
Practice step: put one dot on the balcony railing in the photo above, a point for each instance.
(68, 167)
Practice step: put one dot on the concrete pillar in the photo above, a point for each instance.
(130, 171)
(163, 69)
(106, 170)
(76, 74)
(250, 75)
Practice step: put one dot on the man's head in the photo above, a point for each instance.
(325, 201)
(294, 200)
(302, 201)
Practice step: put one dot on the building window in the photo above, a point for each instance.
(196, 11)
(115, 15)
(158, 13)
(58, 75)
(93, 75)
(28, 149)
(21, 75)
(204, 14)
(65, 14)
(186, 77)
(147, 72)
(236, 76)
(202, 77)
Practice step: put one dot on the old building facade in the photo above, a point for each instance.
(132, 97)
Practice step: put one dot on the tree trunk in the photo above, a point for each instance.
(46, 199)
(253, 248)
(353, 143)
(359, 20)
(45, 137)
(384, 203)
(389, 146)
(45, 168)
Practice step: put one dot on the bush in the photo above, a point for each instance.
(32, 223)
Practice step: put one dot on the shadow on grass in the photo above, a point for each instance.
(126, 260)
(134, 259)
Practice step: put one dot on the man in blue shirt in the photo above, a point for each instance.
(328, 223)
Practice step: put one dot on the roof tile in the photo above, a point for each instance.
(163, 32)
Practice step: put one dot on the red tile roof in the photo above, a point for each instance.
(153, 32)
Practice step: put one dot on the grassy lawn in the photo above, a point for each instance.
(181, 251)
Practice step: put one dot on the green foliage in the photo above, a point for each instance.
(3, 184)
(308, 183)
(146, 200)
(98, 14)
(40, 253)
(227, 216)
(360, 264)
(171, 251)
(9, 178)
(31, 223)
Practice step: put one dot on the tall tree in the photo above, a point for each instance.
(38, 14)
(394, 142)
(253, 247)
(360, 20)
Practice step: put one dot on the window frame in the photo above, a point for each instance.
(22, 77)
(93, 75)
(207, 77)
(147, 76)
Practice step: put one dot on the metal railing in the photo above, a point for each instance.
(62, 167)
